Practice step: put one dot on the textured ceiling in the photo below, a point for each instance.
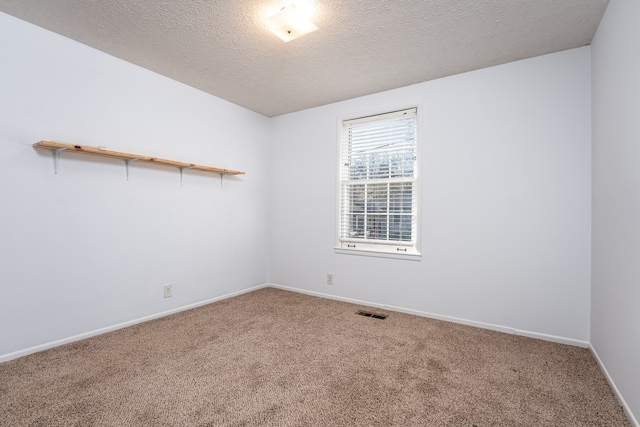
(362, 46)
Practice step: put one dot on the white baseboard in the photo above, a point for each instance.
(626, 408)
(45, 346)
(493, 327)
(499, 328)
(553, 338)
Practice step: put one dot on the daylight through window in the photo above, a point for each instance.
(378, 206)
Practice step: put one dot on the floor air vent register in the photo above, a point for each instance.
(367, 314)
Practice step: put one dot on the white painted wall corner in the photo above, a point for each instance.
(623, 403)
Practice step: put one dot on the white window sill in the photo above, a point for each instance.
(379, 254)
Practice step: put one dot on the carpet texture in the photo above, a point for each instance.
(277, 358)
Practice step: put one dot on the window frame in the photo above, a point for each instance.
(363, 248)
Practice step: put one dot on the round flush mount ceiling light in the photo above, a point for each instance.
(289, 24)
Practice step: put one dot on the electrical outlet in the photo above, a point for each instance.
(168, 291)
(329, 278)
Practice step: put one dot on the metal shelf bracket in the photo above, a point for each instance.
(127, 163)
(56, 158)
(181, 170)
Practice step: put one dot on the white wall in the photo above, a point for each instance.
(505, 198)
(615, 312)
(85, 249)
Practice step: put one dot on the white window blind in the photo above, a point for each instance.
(378, 172)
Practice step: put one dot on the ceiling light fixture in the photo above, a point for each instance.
(289, 24)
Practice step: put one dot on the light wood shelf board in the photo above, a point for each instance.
(93, 151)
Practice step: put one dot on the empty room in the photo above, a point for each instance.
(319, 212)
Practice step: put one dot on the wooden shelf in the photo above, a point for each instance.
(58, 147)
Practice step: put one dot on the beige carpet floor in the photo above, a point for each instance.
(277, 358)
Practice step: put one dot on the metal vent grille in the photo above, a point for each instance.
(368, 314)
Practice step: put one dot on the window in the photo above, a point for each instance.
(378, 196)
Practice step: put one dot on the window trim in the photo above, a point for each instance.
(377, 250)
